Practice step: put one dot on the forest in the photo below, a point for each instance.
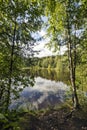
(65, 23)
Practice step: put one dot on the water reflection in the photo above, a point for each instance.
(44, 93)
(50, 74)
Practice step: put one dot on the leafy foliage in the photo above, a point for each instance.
(17, 23)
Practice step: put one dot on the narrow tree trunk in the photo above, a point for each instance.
(2, 88)
(72, 75)
(72, 61)
(74, 71)
(10, 71)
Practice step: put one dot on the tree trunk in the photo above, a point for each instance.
(72, 59)
(2, 88)
(10, 70)
(72, 74)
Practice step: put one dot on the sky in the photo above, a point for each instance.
(41, 46)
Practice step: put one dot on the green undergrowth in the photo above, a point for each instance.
(23, 120)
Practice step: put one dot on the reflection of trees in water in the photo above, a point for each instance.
(51, 74)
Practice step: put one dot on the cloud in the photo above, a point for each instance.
(43, 51)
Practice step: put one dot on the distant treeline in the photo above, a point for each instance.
(51, 62)
(59, 63)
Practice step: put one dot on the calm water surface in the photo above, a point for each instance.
(46, 92)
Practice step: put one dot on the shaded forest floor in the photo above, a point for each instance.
(55, 119)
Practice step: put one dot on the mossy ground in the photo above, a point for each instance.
(55, 119)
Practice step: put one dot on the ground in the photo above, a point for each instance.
(55, 119)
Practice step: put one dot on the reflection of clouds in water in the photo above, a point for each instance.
(44, 85)
(44, 92)
(42, 98)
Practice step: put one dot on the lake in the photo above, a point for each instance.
(49, 90)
